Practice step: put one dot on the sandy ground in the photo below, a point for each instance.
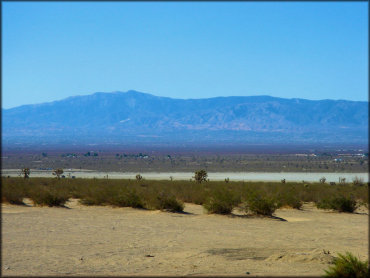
(124, 241)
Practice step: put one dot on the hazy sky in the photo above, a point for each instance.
(313, 50)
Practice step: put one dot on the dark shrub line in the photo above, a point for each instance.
(341, 204)
(216, 197)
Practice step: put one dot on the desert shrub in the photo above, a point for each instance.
(358, 181)
(127, 198)
(221, 201)
(13, 194)
(262, 205)
(322, 180)
(342, 180)
(291, 201)
(94, 196)
(58, 172)
(289, 195)
(200, 199)
(348, 265)
(105, 191)
(341, 204)
(76, 192)
(169, 203)
(48, 196)
(200, 176)
(190, 192)
(26, 172)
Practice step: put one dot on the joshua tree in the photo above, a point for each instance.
(139, 177)
(322, 180)
(342, 180)
(200, 176)
(358, 181)
(26, 172)
(58, 172)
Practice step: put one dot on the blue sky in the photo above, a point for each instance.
(313, 50)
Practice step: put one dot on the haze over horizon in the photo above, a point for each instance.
(192, 50)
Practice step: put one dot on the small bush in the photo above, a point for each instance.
(191, 192)
(290, 201)
(358, 181)
(348, 266)
(221, 201)
(200, 176)
(257, 204)
(58, 172)
(12, 194)
(127, 198)
(89, 201)
(322, 180)
(169, 203)
(341, 204)
(93, 196)
(50, 197)
(26, 172)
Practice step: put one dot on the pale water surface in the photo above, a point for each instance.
(233, 176)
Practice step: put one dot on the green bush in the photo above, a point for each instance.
(190, 192)
(93, 196)
(200, 176)
(348, 266)
(291, 201)
(46, 196)
(258, 204)
(13, 194)
(169, 203)
(127, 198)
(341, 204)
(221, 201)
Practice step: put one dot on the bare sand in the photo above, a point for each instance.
(82, 240)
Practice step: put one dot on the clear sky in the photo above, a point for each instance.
(313, 50)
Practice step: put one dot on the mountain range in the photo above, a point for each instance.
(129, 117)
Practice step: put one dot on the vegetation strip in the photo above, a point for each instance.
(216, 196)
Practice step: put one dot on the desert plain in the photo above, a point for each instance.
(102, 240)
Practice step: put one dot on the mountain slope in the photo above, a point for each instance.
(125, 116)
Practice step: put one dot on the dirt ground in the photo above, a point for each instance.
(81, 240)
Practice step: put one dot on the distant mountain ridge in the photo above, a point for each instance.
(134, 116)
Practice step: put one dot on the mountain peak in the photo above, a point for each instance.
(233, 119)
